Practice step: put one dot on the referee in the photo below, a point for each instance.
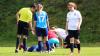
(24, 22)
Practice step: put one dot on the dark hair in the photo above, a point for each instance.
(33, 6)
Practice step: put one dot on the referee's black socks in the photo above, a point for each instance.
(72, 47)
(24, 44)
(17, 42)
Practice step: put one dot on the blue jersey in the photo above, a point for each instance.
(41, 19)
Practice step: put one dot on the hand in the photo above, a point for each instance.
(66, 29)
(17, 23)
(78, 28)
(33, 32)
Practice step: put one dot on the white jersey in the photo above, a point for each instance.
(61, 33)
(73, 18)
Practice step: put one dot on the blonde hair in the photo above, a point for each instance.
(73, 4)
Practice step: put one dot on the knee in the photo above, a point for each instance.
(39, 38)
(77, 41)
(71, 40)
(19, 36)
(24, 37)
(45, 38)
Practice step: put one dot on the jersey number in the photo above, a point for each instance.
(41, 18)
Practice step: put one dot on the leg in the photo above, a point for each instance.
(53, 45)
(61, 42)
(56, 42)
(19, 33)
(45, 35)
(66, 42)
(21, 43)
(47, 43)
(39, 34)
(50, 42)
(24, 43)
(72, 45)
(17, 43)
(77, 41)
(40, 43)
(78, 44)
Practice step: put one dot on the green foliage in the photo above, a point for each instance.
(57, 15)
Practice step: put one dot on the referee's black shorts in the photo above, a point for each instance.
(74, 33)
(23, 28)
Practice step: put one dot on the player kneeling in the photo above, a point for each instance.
(53, 39)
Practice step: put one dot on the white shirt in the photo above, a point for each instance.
(61, 33)
(73, 18)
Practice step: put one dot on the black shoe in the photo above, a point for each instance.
(16, 51)
(24, 50)
(20, 47)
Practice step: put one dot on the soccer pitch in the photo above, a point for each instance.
(85, 51)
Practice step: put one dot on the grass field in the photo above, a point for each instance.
(85, 51)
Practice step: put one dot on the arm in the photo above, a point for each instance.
(47, 21)
(17, 17)
(79, 23)
(80, 20)
(34, 24)
(30, 15)
(35, 19)
(30, 25)
(66, 27)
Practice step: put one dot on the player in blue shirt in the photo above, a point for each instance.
(41, 24)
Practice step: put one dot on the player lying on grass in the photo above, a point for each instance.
(35, 48)
(24, 22)
(52, 40)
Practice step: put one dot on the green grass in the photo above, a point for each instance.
(85, 51)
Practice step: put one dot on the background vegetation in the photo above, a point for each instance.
(57, 11)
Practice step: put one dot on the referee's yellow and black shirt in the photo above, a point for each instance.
(25, 15)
